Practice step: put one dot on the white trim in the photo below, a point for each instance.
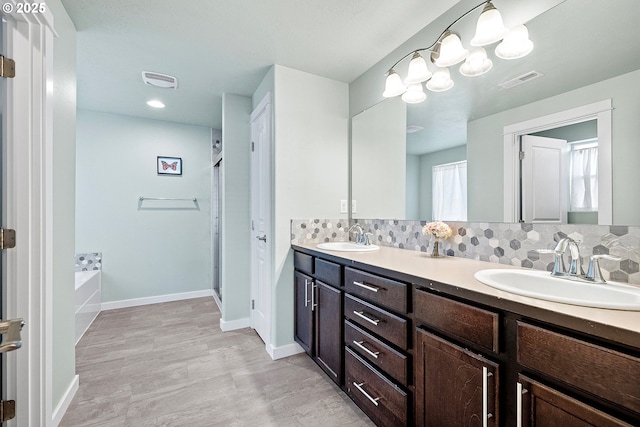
(68, 396)
(27, 208)
(232, 325)
(260, 108)
(598, 110)
(135, 302)
(283, 351)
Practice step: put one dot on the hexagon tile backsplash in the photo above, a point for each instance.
(505, 243)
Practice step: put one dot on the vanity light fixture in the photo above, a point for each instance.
(448, 50)
(155, 103)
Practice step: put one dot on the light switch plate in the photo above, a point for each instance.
(343, 206)
(353, 206)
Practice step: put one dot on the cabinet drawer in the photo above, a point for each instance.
(303, 262)
(381, 322)
(328, 272)
(378, 353)
(384, 402)
(457, 319)
(385, 292)
(548, 407)
(606, 373)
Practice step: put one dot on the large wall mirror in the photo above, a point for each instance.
(585, 51)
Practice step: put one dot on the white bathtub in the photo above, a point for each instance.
(87, 300)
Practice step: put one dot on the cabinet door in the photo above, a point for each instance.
(328, 313)
(544, 406)
(304, 288)
(454, 387)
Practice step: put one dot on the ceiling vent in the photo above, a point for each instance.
(526, 77)
(159, 80)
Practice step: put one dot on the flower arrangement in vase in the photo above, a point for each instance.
(439, 230)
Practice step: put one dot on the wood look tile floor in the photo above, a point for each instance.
(170, 365)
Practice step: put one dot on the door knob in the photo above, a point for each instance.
(10, 330)
(263, 238)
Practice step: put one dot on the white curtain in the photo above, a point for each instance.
(449, 192)
(584, 179)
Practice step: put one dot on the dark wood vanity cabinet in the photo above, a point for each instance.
(318, 312)
(410, 351)
(454, 386)
(303, 312)
(377, 346)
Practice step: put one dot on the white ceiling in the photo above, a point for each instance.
(218, 46)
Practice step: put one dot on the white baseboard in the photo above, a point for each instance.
(283, 351)
(112, 305)
(232, 325)
(62, 407)
(218, 302)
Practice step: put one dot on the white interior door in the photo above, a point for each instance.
(544, 175)
(262, 239)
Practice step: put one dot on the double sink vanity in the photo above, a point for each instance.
(415, 340)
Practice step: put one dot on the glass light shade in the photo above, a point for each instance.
(418, 71)
(414, 94)
(476, 63)
(516, 44)
(489, 28)
(393, 85)
(451, 50)
(440, 81)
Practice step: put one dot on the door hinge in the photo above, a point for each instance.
(7, 410)
(253, 304)
(253, 146)
(7, 67)
(522, 155)
(7, 238)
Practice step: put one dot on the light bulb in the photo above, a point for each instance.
(489, 28)
(516, 44)
(418, 71)
(414, 94)
(393, 85)
(440, 81)
(451, 50)
(476, 63)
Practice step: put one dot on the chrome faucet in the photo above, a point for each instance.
(361, 238)
(575, 261)
(576, 271)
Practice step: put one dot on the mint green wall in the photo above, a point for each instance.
(163, 248)
(64, 147)
(311, 117)
(485, 146)
(427, 162)
(236, 215)
(413, 187)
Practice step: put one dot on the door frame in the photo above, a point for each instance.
(602, 112)
(27, 208)
(264, 105)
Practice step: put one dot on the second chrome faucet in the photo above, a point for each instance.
(575, 270)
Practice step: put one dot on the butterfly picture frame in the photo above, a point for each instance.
(169, 165)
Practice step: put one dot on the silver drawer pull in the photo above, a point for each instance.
(360, 345)
(485, 398)
(367, 395)
(368, 319)
(520, 390)
(367, 287)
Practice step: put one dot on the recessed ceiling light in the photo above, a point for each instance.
(155, 103)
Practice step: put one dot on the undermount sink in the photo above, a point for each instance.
(347, 247)
(541, 285)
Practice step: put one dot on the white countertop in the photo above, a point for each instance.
(458, 272)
